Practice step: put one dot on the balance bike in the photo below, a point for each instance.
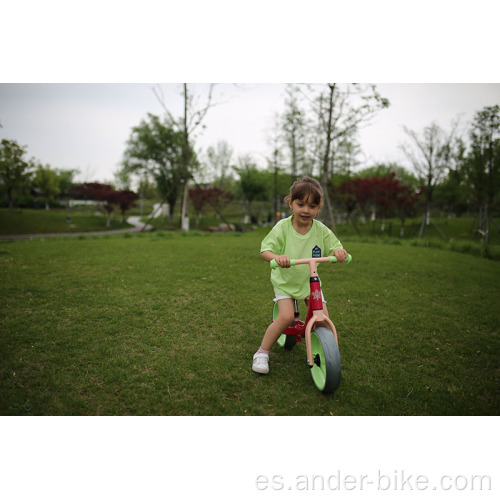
(323, 356)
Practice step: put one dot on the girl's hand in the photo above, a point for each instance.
(341, 254)
(283, 260)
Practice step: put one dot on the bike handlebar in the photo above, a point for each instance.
(296, 262)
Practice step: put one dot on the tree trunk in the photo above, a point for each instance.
(488, 219)
(185, 158)
(326, 159)
(353, 222)
(11, 198)
(184, 203)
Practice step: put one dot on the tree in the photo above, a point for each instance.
(405, 200)
(483, 162)
(155, 147)
(387, 195)
(345, 158)
(219, 160)
(387, 169)
(65, 180)
(192, 119)
(252, 181)
(48, 181)
(452, 194)
(350, 192)
(201, 196)
(14, 169)
(294, 127)
(431, 156)
(125, 199)
(340, 111)
(274, 162)
(103, 193)
(219, 199)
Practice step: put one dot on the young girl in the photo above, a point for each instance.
(299, 236)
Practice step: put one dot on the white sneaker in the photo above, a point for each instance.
(260, 363)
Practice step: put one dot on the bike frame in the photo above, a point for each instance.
(315, 312)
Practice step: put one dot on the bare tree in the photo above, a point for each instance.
(275, 140)
(219, 159)
(340, 111)
(294, 127)
(194, 115)
(431, 155)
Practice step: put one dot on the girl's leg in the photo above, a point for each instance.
(279, 325)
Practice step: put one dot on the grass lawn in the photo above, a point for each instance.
(29, 221)
(165, 324)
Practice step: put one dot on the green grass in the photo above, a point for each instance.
(29, 221)
(441, 228)
(165, 324)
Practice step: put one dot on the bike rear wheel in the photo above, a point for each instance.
(326, 370)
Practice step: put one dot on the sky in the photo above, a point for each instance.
(86, 126)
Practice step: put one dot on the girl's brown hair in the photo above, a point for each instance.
(304, 188)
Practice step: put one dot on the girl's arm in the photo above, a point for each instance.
(282, 260)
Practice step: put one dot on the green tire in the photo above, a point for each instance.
(327, 369)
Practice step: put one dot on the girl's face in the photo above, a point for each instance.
(304, 211)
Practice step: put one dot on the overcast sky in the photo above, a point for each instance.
(85, 126)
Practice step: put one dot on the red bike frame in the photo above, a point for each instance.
(315, 312)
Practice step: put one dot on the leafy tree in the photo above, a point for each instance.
(350, 194)
(48, 181)
(252, 182)
(483, 162)
(405, 200)
(147, 187)
(155, 147)
(201, 196)
(386, 194)
(387, 169)
(219, 199)
(102, 193)
(452, 194)
(14, 170)
(193, 117)
(125, 199)
(65, 180)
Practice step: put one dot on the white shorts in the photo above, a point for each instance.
(280, 297)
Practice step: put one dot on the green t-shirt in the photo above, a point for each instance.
(283, 239)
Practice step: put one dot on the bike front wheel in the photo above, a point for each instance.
(326, 370)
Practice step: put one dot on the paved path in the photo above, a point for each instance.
(134, 220)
